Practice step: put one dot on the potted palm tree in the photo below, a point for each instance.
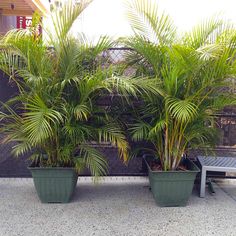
(192, 80)
(55, 116)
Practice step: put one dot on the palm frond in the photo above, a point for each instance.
(93, 160)
(158, 128)
(63, 19)
(112, 132)
(139, 130)
(146, 21)
(38, 120)
(21, 148)
(206, 32)
(146, 54)
(82, 112)
(182, 110)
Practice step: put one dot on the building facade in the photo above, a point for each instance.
(18, 13)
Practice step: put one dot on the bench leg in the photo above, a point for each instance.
(210, 186)
(203, 183)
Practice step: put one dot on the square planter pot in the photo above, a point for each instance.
(54, 185)
(173, 188)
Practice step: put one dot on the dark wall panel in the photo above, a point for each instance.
(7, 88)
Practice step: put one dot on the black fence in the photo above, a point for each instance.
(12, 167)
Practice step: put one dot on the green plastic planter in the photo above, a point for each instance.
(173, 188)
(54, 185)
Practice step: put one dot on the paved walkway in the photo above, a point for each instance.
(120, 208)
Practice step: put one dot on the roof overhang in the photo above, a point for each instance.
(22, 7)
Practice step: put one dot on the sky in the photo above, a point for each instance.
(107, 17)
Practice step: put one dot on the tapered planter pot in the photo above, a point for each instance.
(173, 188)
(54, 185)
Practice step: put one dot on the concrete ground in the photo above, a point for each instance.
(115, 207)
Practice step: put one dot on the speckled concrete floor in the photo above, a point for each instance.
(124, 208)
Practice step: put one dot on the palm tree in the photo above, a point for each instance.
(55, 115)
(193, 76)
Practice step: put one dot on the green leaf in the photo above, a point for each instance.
(146, 20)
(139, 130)
(39, 121)
(93, 160)
(182, 110)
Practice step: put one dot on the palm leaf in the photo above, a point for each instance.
(39, 120)
(182, 110)
(139, 130)
(146, 21)
(112, 132)
(206, 32)
(93, 160)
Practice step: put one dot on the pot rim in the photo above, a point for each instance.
(50, 168)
